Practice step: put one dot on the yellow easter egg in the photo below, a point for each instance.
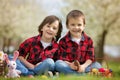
(94, 70)
(44, 77)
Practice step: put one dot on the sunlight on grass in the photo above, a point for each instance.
(113, 65)
(70, 77)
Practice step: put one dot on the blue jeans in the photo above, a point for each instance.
(24, 70)
(46, 65)
(63, 67)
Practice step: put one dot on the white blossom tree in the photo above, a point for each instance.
(18, 19)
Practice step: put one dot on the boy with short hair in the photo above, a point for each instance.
(76, 51)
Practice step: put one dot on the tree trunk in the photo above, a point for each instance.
(99, 48)
(6, 44)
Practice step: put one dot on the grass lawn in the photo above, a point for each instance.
(115, 66)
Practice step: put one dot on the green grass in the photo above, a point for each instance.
(115, 66)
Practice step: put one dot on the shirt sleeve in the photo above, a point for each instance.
(62, 50)
(24, 48)
(90, 55)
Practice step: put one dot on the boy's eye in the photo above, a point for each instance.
(48, 26)
(72, 24)
(79, 24)
(54, 28)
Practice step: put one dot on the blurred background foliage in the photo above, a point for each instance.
(19, 19)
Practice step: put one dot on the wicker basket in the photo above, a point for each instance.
(104, 71)
(2, 68)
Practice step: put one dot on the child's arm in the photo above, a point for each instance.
(67, 62)
(26, 63)
(85, 65)
(38, 64)
(89, 57)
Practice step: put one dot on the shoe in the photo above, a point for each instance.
(56, 74)
(49, 74)
(77, 64)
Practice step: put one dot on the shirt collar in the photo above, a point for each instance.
(68, 37)
(39, 38)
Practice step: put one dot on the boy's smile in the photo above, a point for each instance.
(75, 26)
(49, 31)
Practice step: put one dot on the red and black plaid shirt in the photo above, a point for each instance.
(70, 51)
(33, 48)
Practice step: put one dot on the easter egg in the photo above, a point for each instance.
(109, 75)
(94, 70)
(107, 70)
(44, 77)
(101, 70)
(110, 70)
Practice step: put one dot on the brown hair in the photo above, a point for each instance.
(75, 14)
(48, 20)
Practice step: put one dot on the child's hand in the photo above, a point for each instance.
(38, 64)
(73, 66)
(67, 62)
(31, 66)
(81, 68)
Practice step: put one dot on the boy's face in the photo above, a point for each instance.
(75, 26)
(50, 30)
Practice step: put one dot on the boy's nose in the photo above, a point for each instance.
(77, 27)
(51, 28)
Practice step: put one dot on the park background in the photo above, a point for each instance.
(19, 20)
